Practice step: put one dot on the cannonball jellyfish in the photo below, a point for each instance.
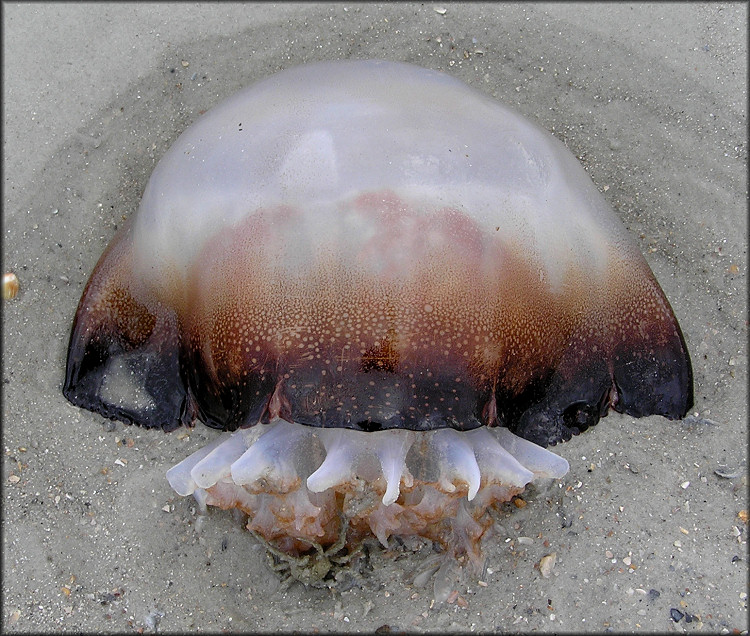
(390, 291)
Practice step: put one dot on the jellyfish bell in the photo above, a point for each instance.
(391, 291)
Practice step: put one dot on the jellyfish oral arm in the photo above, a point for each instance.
(391, 482)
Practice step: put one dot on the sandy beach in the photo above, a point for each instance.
(649, 527)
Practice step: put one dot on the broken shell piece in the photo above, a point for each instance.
(546, 564)
(10, 285)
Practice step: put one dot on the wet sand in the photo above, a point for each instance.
(645, 527)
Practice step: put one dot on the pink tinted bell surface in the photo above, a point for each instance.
(347, 230)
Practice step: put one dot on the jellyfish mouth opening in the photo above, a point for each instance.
(298, 483)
